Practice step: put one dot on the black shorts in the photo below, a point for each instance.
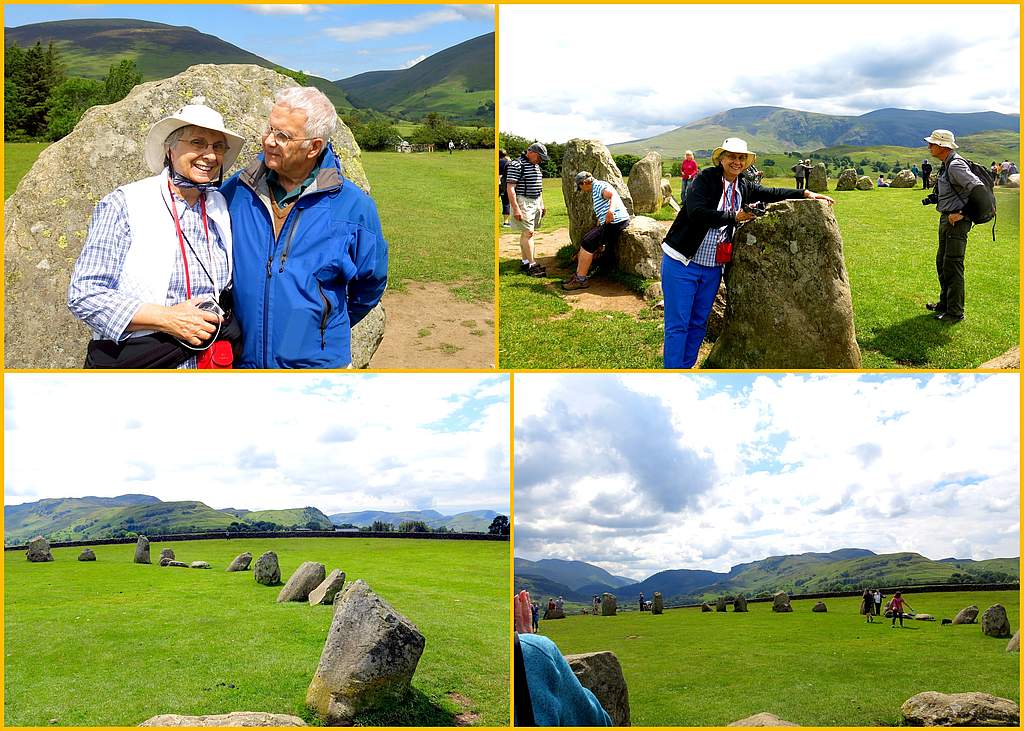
(602, 235)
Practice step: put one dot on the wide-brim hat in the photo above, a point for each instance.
(733, 144)
(942, 138)
(190, 115)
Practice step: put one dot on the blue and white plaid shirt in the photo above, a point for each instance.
(709, 246)
(92, 294)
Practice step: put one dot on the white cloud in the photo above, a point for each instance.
(286, 9)
(415, 24)
(413, 61)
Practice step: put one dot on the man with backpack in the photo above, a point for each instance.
(953, 190)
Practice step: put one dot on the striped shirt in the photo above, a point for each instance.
(92, 294)
(527, 178)
(731, 200)
(602, 204)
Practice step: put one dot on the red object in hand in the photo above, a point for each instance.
(217, 356)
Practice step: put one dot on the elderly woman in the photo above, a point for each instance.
(699, 244)
(157, 260)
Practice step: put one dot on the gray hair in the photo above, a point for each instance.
(321, 116)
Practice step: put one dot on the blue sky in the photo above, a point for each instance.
(332, 41)
(640, 473)
(339, 442)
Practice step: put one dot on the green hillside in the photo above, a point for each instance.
(294, 518)
(89, 47)
(457, 82)
(55, 516)
(475, 521)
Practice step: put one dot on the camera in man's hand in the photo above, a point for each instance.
(931, 200)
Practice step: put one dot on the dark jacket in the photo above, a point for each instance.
(700, 212)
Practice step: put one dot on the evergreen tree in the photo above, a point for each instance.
(68, 102)
(121, 79)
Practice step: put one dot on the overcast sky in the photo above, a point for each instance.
(332, 41)
(615, 72)
(341, 443)
(640, 473)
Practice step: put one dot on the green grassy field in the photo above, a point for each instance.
(113, 643)
(687, 668)
(437, 212)
(889, 242)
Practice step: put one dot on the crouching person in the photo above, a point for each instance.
(612, 219)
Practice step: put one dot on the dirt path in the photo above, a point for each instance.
(428, 327)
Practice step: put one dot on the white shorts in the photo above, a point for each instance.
(531, 209)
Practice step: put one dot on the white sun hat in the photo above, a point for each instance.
(733, 144)
(942, 138)
(196, 114)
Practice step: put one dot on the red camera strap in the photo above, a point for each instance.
(181, 237)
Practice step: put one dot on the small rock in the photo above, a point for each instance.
(328, 589)
(199, 565)
(167, 553)
(924, 617)
(960, 709)
(819, 607)
(1014, 644)
(967, 615)
(87, 555)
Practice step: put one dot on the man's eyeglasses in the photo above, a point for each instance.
(201, 145)
(283, 138)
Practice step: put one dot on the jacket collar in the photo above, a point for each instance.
(329, 178)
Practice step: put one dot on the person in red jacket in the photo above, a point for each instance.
(688, 169)
(897, 605)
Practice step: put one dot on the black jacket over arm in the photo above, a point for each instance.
(700, 212)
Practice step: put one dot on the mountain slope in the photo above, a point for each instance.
(46, 517)
(474, 521)
(777, 129)
(89, 47)
(293, 518)
(573, 574)
(458, 82)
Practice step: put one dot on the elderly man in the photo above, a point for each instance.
(953, 186)
(310, 255)
(612, 219)
(526, 197)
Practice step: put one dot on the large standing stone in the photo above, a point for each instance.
(328, 589)
(1014, 644)
(658, 606)
(608, 605)
(592, 156)
(142, 550)
(959, 709)
(268, 570)
(601, 674)
(46, 219)
(762, 719)
(847, 180)
(780, 602)
(638, 251)
(240, 562)
(739, 604)
(38, 550)
(819, 607)
(87, 554)
(994, 621)
(967, 615)
(368, 659)
(236, 718)
(903, 179)
(865, 183)
(720, 605)
(817, 178)
(167, 553)
(306, 578)
(789, 303)
(645, 184)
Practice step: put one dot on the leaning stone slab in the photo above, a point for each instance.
(608, 605)
(601, 674)
(236, 718)
(306, 578)
(199, 565)
(368, 659)
(142, 550)
(960, 709)
(780, 602)
(789, 303)
(268, 570)
(967, 615)
(241, 562)
(705, 607)
(594, 157)
(762, 719)
(645, 184)
(87, 555)
(38, 550)
(1014, 644)
(819, 607)
(328, 589)
(659, 605)
(994, 621)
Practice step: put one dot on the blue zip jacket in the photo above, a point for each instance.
(298, 296)
(557, 697)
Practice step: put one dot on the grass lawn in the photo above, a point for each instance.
(889, 241)
(687, 668)
(18, 158)
(112, 643)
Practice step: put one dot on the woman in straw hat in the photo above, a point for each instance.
(157, 260)
(699, 244)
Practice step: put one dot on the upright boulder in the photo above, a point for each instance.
(46, 219)
(789, 303)
(328, 589)
(847, 180)
(601, 674)
(720, 605)
(592, 156)
(865, 183)
(819, 607)
(306, 578)
(967, 615)
(39, 550)
(142, 550)
(658, 606)
(87, 554)
(817, 178)
(267, 570)
(959, 709)
(1014, 644)
(739, 604)
(638, 251)
(240, 562)
(780, 602)
(994, 621)
(608, 605)
(645, 184)
(167, 553)
(903, 179)
(368, 659)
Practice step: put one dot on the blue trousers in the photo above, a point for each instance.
(689, 291)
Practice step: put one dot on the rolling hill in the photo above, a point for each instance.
(576, 580)
(777, 129)
(458, 82)
(474, 521)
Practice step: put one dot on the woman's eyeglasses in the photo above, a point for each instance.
(201, 145)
